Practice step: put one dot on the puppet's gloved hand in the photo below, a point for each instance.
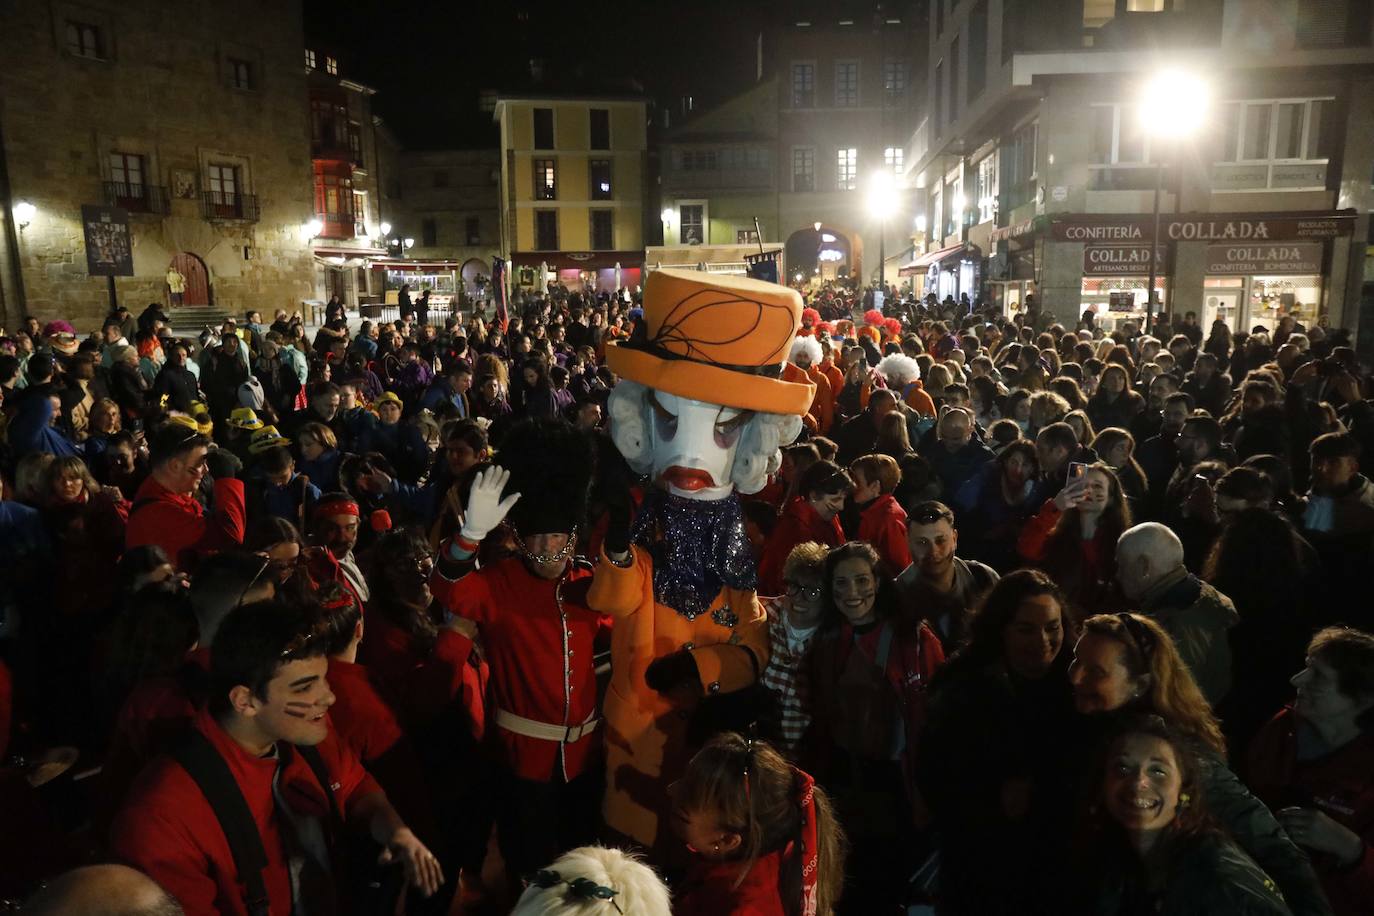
(486, 508)
(223, 464)
(673, 672)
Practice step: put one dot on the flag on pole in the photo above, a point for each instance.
(763, 266)
(498, 282)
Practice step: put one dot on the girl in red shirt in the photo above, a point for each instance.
(764, 837)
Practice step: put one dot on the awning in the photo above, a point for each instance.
(578, 260)
(692, 256)
(348, 251)
(938, 256)
(424, 267)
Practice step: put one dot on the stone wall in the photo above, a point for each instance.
(160, 88)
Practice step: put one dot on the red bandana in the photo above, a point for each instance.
(336, 507)
(806, 798)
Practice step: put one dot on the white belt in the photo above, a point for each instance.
(543, 730)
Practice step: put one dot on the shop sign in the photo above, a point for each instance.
(1121, 300)
(1120, 260)
(1202, 227)
(1291, 258)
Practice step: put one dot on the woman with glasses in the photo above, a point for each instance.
(868, 673)
(1126, 665)
(793, 620)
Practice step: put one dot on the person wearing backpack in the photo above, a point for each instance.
(869, 668)
(242, 816)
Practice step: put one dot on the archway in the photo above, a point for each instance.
(824, 253)
(472, 269)
(196, 279)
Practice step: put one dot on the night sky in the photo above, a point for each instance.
(429, 59)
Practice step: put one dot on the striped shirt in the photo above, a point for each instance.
(786, 674)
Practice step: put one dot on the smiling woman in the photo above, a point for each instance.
(1157, 848)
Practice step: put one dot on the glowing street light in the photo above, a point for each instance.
(385, 228)
(920, 222)
(881, 203)
(1172, 104)
(24, 212)
(312, 229)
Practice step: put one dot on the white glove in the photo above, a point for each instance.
(486, 508)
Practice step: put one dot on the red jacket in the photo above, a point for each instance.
(710, 889)
(178, 524)
(799, 524)
(1340, 784)
(366, 725)
(883, 524)
(168, 830)
(419, 686)
(540, 638)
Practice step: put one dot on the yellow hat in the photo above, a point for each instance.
(244, 418)
(715, 338)
(266, 438)
(184, 419)
(389, 397)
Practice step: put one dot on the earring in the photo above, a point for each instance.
(1183, 800)
(715, 847)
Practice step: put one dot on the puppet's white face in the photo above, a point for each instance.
(694, 445)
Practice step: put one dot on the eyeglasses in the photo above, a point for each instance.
(810, 592)
(578, 888)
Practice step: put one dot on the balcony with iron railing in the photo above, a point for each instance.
(137, 198)
(224, 206)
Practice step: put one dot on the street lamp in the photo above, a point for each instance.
(312, 229)
(24, 212)
(667, 216)
(1175, 102)
(385, 228)
(880, 207)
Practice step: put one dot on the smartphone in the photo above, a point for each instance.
(1076, 471)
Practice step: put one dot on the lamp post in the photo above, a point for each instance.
(1176, 102)
(880, 207)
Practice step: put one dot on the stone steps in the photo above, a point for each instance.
(188, 321)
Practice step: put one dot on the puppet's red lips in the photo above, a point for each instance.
(689, 479)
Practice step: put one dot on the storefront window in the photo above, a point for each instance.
(1273, 297)
(1120, 299)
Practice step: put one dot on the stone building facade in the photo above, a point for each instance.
(191, 116)
(451, 207)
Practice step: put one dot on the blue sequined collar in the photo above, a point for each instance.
(697, 546)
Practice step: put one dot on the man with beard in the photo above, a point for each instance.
(335, 529)
(1198, 440)
(530, 613)
(938, 587)
(1158, 455)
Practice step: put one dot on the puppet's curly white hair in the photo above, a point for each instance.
(898, 370)
(638, 889)
(808, 345)
(757, 455)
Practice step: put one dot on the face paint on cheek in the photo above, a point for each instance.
(298, 709)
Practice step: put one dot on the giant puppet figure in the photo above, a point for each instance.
(702, 407)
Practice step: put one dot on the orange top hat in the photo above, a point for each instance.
(715, 338)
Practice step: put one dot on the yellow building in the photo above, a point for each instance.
(573, 189)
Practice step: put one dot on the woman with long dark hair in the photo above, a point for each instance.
(999, 715)
(1073, 537)
(995, 503)
(1114, 403)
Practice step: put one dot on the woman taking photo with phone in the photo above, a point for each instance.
(1073, 536)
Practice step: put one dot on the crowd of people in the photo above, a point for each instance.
(1058, 620)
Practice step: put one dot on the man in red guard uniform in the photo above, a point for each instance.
(239, 819)
(529, 613)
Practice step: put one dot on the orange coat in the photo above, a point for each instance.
(822, 410)
(834, 376)
(645, 738)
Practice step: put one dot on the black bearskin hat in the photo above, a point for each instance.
(550, 466)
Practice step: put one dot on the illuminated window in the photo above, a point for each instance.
(310, 58)
(359, 214)
(545, 179)
(691, 223)
(986, 191)
(600, 171)
(847, 169)
(331, 66)
(892, 158)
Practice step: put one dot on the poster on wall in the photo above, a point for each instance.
(109, 249)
